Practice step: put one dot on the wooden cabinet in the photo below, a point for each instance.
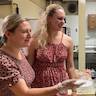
(92, 21)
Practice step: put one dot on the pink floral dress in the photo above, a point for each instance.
(49, 65)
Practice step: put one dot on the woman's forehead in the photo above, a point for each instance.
(24, 23)
(59, 13)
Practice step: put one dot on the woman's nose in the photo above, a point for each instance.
(62, 21)
(29, 34)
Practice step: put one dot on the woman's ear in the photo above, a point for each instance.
(7, 34)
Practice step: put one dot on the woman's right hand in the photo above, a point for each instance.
(67, 84)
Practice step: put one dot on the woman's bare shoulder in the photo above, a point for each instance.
(68, 38)
(67, 41)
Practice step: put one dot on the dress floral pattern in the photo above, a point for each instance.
(11, 70)
(49, 65)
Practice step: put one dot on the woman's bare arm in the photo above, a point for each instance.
(31, 51)
(70, 62)
(21, 89)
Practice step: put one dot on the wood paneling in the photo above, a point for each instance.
(92, 21)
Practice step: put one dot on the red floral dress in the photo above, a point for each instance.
(11, 70)
(49, 65)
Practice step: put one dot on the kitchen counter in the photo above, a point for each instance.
(90, 91)
(87, 51)
(85, 92)
(90, 51)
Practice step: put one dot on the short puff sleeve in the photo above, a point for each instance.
(9, 72)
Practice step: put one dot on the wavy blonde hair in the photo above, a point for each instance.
(42, 30)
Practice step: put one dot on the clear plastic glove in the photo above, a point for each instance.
(67, 84)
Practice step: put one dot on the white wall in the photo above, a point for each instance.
(72, 23)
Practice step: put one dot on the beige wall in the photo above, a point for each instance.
(27, 8)
(30, 8)
(5, 10)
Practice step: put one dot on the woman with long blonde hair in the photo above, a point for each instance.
(51, 51)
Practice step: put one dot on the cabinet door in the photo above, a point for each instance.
(92, 21)
(91, 61)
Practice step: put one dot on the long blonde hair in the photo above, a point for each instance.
(42, 30)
